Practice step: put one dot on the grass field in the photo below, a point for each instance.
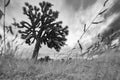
(106, 67)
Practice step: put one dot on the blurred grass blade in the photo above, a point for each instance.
(7, 3)
(105, 3)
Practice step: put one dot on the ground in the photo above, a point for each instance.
(106, 67)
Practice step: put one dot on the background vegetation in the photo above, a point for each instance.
(106, 66)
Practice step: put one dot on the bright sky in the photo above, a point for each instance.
(74, 13)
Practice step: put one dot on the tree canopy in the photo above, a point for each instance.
(42, 27)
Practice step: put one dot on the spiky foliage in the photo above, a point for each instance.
(42, 27)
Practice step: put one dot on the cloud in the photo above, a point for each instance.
(79, 4)
(88, 3)
(115, 24)
(115, 8)
(86, 16)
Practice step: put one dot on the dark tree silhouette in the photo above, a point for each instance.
(47, 58)
(42, 27)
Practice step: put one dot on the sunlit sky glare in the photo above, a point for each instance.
(74, 13)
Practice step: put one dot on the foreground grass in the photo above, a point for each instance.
(106, 67)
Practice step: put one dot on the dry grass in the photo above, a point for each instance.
(106, 67)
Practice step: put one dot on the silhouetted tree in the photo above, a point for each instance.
(42, 27)
(41, 59)
(47, 58)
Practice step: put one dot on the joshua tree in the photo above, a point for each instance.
(42, 27)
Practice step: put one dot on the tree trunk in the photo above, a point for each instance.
(36, 50)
